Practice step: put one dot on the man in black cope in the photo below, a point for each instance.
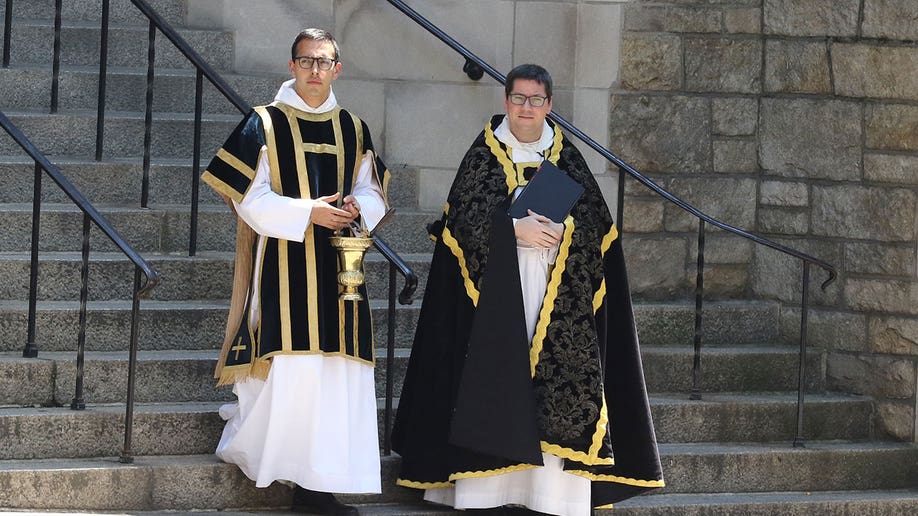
(525, 385)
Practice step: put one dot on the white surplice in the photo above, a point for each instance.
(313, 420)
(549, 488)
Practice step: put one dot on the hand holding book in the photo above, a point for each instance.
(550, 193)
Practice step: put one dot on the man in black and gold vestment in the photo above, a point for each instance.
(300, 359)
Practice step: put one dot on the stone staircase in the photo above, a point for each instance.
(729, 453)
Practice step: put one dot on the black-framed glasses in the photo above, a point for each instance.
(518, 99)
(307, 62)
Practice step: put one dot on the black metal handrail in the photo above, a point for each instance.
(90, 216)
(474, 66)
(203, 69)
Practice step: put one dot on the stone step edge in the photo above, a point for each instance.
(666, 450)
(110, 256)
(656, 399)
(142, 71)
(16, 304)
(745, 499)
(68, 23)
(105, 208)
(669, 502)
(400, 352)
(137, 116)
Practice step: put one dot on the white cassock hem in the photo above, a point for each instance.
(549, 488)
(312, 422)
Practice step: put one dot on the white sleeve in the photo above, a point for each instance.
(271, 214)
(369, 193)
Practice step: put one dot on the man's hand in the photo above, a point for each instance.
(538, 231)
(350, 205)
(326, 215)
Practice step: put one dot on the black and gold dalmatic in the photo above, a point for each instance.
(291, 285)
(479, 397)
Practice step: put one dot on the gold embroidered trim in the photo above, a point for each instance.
(302, 171)
(324, 353)
(283, 273)
(502, 157)
(579, 456)
(236, 163)
(555, 153)
(618, 480)
(453, 245)
(607, 241)
(342, 345)
(339, 151)
(601, 426)
(551, 292)
(291, 111)
(422, 485)
(221, 187)
(320, 148)
(491, 472)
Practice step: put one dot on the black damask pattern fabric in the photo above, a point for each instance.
(568, 376)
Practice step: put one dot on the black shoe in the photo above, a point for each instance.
(315, 502)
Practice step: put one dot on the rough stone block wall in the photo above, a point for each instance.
(797, 119)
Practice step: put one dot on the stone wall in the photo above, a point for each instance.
(797, 119)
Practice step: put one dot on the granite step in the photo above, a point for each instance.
(29, 87)
(202, 482)
(165, 228)
(189, 428)
(785, 503)
(187, 375)
(164, 325)
(198, 324)
(32, 44)
(811, 503)
(73, 133)
(118, 182)
(207, 275)
(120, 11)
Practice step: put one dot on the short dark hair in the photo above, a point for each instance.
(315, 35)
(533, 72)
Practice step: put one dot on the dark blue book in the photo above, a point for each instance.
(550, 192)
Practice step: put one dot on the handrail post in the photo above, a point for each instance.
(801, 368)
(148, 118)
(78, 402)
(31, 349)
(390, 358)
(56, 62)
(699, 306)
(103, 77)
(196, 163)
(127, 454)
(7, 32)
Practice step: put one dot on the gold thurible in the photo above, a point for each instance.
(351, 251)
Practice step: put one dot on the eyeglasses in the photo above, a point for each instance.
(518, 99)
(307, 62)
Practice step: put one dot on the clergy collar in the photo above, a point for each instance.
(287, 95)
(525, 152)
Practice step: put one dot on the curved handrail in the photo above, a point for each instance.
(152, 277)
(475, 68)
(499, 77)
(411, 280)
(195, 58)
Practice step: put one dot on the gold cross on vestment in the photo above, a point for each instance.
(238, 347)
